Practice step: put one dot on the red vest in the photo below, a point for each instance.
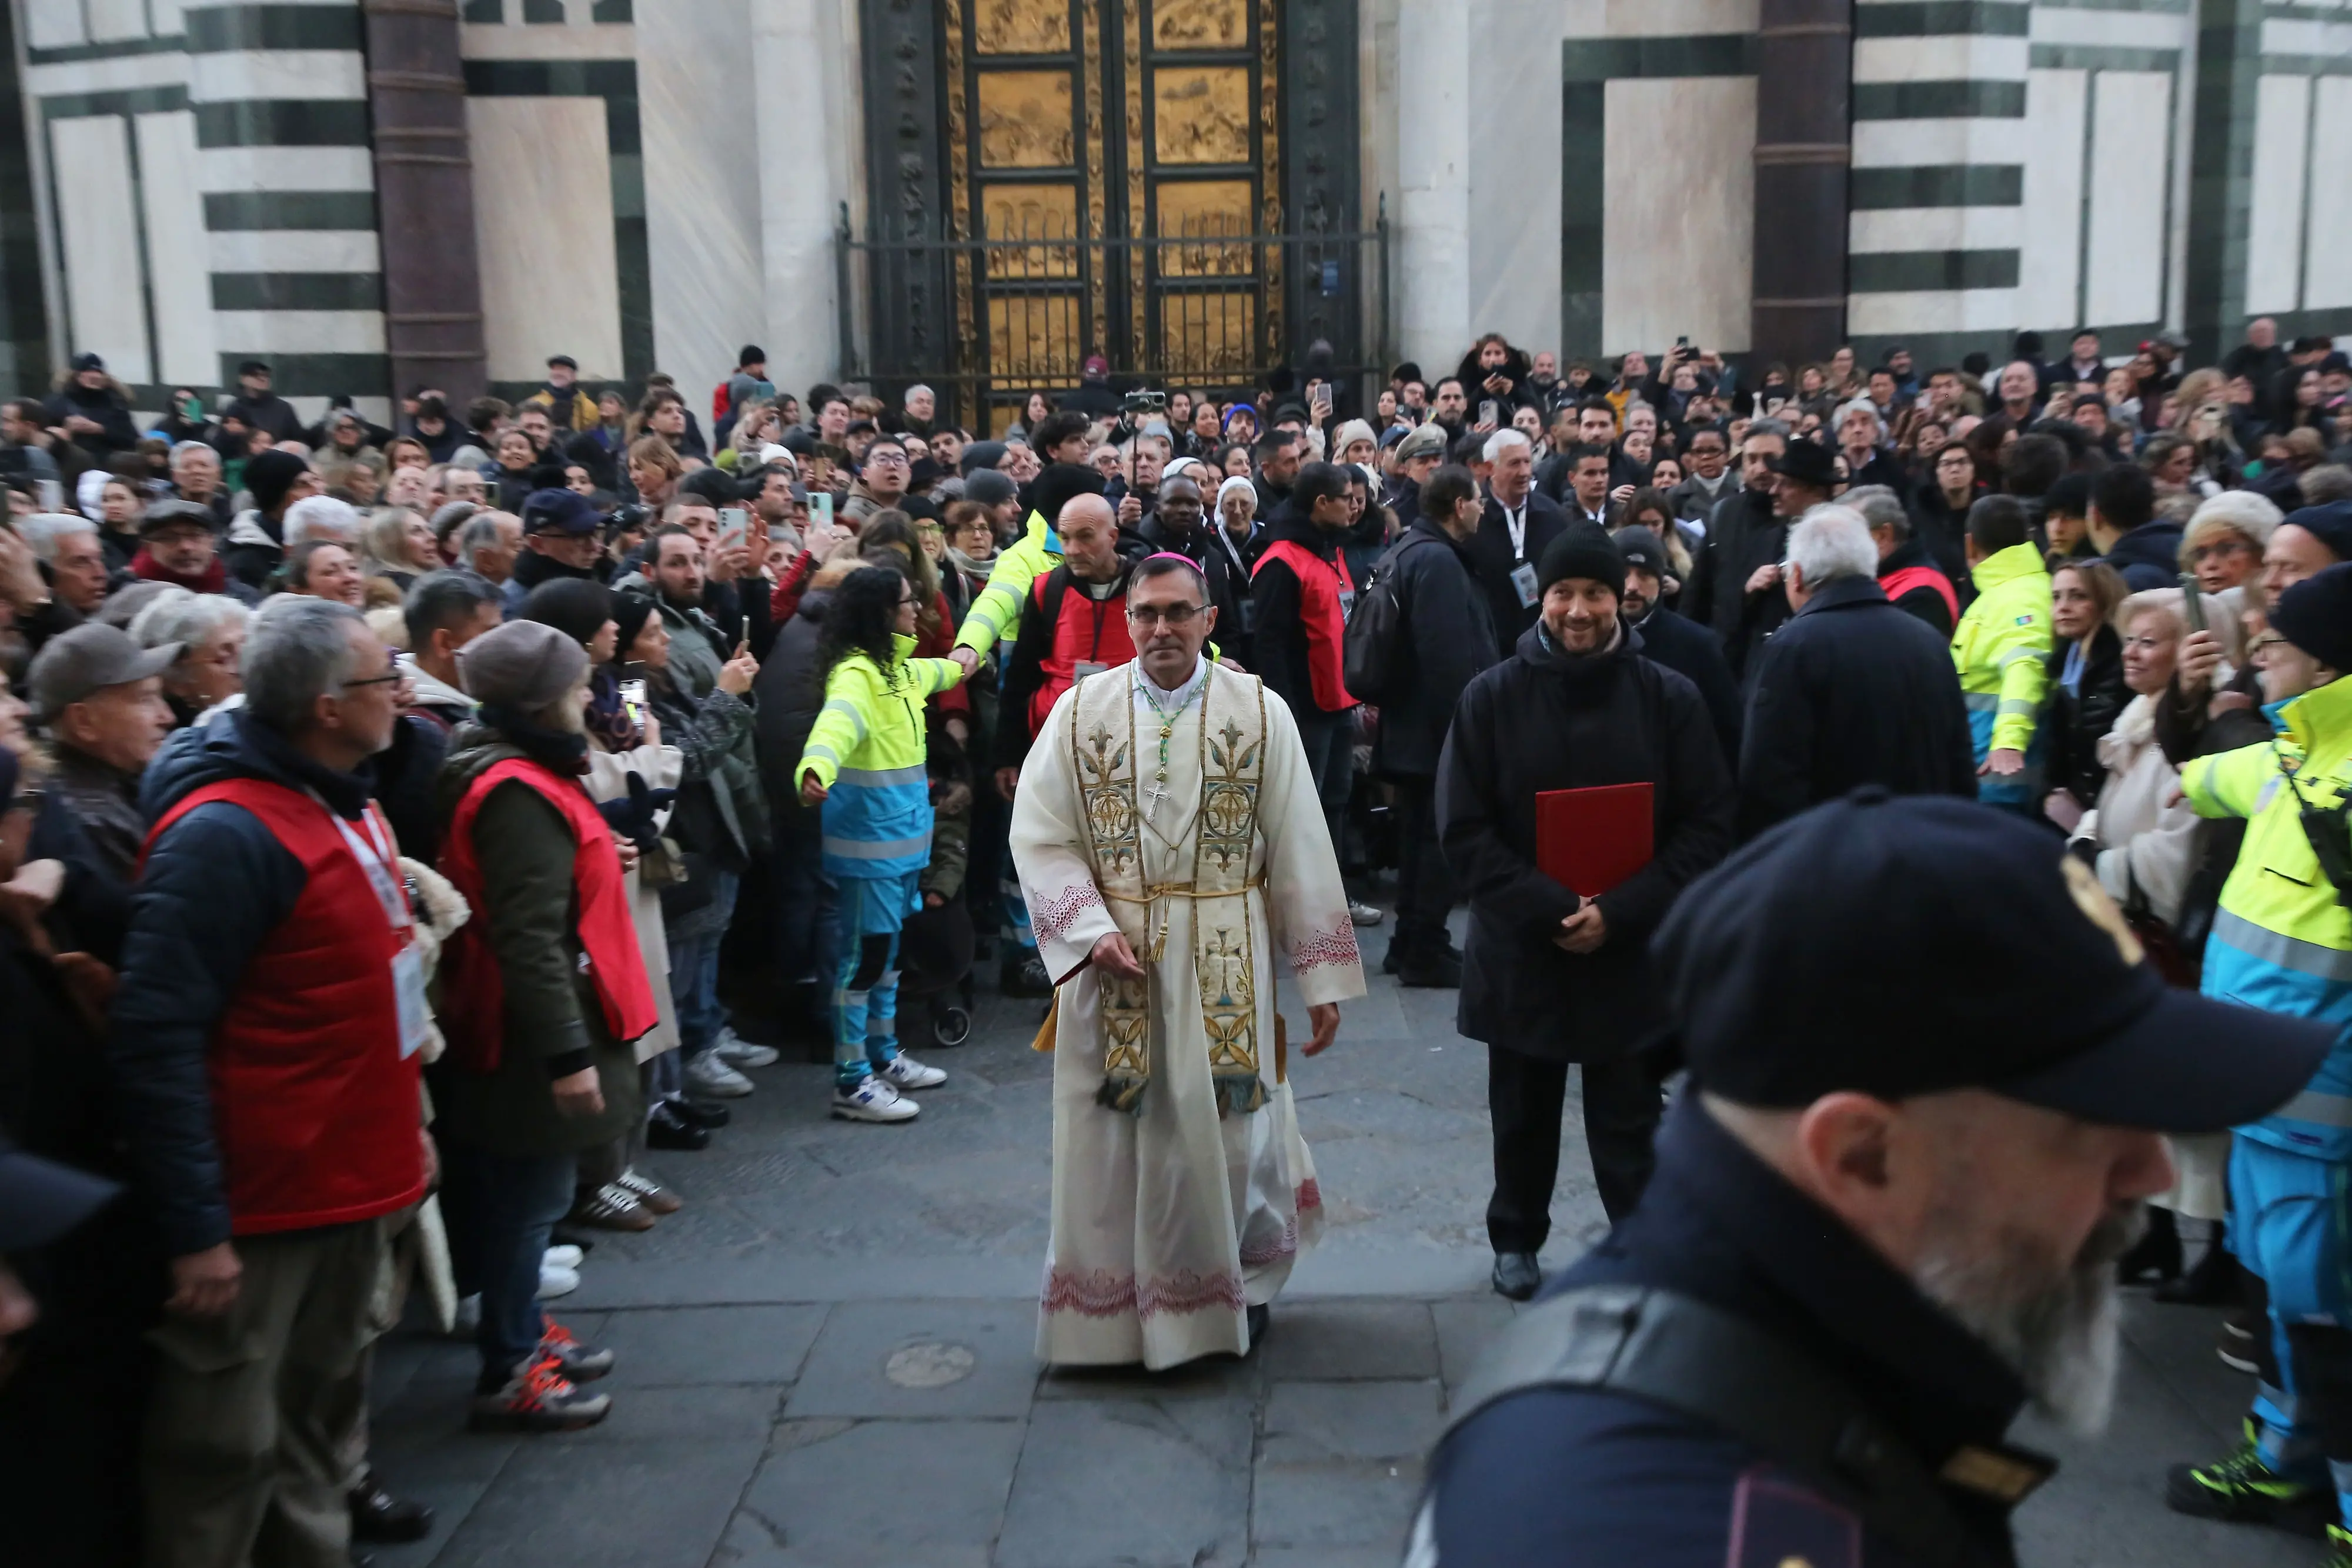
(1320, 583)
(1900, 582)
(1088, 630)
(473, 993)
(316, 1112)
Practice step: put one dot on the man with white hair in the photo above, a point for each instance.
(197, 477)
(73, 563)
(321, 517)
(488, 543)
(1862, 436)
(1517, 525)
(1913, 581)
(1850, 691)
(264, 1040)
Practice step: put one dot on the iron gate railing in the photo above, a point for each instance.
(1213, 305)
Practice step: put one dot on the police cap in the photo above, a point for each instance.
(1895, 946)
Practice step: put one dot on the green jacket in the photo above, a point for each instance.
(554, 1023)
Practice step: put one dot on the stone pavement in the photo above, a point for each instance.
(826, 1360)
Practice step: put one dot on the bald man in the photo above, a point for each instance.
(1073, 624)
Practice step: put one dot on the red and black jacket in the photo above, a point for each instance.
(1302, 593)
(1062, 626)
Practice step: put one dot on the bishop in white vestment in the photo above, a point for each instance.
(1176, 864)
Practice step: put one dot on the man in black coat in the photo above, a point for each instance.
(1517, 525)
(1681, 645)
(1448, 637)
(1551, 978)
(1713, 596)
(1853, 690)
(1739, 573)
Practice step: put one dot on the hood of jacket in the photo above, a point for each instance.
(431, 690)
(233, 744)
(474, 749)
(250, 528)
(1292, 524)
(2008, 566)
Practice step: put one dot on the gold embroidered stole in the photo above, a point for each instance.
(1106, 755)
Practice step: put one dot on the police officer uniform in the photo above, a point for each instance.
(1734, 1377)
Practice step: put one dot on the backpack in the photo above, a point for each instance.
(1369, 664)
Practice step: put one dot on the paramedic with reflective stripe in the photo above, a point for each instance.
(2000, 650)
(2281, 941)
(864, 763)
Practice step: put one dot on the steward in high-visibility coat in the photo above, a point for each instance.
(2281, 941)
(2000, 649)
(995, 612)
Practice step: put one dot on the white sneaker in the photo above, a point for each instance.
(1365, 915)
(554, 1282)
(737, 1052)
(873, 1099)
(904, 1073)
(707, 1076)
(563, 1255)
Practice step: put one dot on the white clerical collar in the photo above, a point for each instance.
(1173, 699)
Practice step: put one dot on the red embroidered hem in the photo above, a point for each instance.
(1107, 1293)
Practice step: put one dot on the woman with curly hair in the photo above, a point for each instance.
(864, 766)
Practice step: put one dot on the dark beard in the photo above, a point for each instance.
(2057, 1328)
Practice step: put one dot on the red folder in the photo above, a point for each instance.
(1588, 841)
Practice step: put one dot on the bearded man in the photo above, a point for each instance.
(1931, 1070)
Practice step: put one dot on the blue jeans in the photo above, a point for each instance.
(866, 978)
(694, 967)
(501, 1208)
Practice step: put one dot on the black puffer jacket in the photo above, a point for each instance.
(1449, 638)
(2077, 720)
(1541, 720)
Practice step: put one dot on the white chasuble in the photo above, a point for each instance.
(1186, 821)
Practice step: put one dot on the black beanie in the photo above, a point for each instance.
(988, 488)
(631, 610)
(271, 474)
(2315, 615)
(2330, 523)
(575, 606)
(1585, 550)
(1060, 484)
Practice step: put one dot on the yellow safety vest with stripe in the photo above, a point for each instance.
(2281, 940)
(866, 747)
(996, 609)
(2000, 649)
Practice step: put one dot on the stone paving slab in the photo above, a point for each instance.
(929, 1360)
(887, 1494)
(1141, 1483)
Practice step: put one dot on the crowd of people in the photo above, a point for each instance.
(401, 822)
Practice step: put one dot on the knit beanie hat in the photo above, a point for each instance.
(2315, 615)
(988, 486)
(1059, 485)
(575, 606)
(631, 610)
(981, 455)
(270, 474)
(1585, 550)
(521, 665)
(2330, 523)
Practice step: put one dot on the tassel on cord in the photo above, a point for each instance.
(1122, 1095)
(1238, 1093)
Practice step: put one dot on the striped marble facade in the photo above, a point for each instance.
(206, 193)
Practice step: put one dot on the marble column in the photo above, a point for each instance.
(695, 88)
(1803, 143)
(1431, 240)
(802, 82)
(425, 199)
